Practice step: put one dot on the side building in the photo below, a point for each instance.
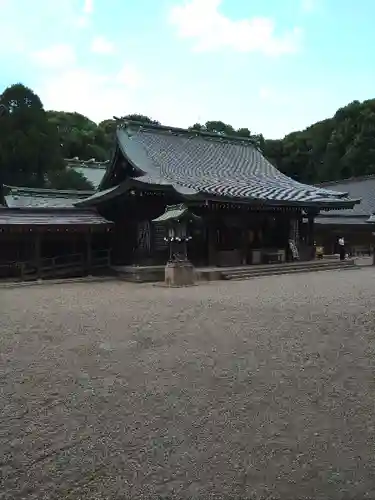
(352, 224)
(249, 211)
(43, 234)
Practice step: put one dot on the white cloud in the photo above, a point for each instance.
(101, 96)
(83, 20)
(100, 45)
(88, 7)
(95, 95)
(276, 96)
(307, 5)
(201, 21)
(129, 76)
(56, 56)
(265, 93)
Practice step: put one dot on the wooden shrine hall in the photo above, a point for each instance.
(42, 234)
(245, 210)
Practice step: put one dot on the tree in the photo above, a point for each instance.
(336, 148)
(140, 118)
(29, 144)
(218, 127)
(243, 132)
(197, 126)
(79, 136)
(221, 128)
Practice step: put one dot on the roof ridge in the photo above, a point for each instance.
(183, 131)
(333, 214)
(26, 189)
(72, 209)
(92, 163)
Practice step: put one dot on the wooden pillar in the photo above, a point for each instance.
(88, 252)
(310, 238)
(38, 253)
(311, 231)
(211, 238)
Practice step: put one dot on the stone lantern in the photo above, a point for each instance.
(178, 270)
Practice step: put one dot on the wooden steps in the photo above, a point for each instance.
(149, 274)
(291, 268)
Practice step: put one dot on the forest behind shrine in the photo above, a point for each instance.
(35, 142)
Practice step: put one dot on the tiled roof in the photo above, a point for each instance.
(331, 220)
(195, 163)
(93, 170)
(32, 197)
(361, 187)
(92, 174)
(101, 196)
(173, 212)
(76, 162)
(176, 213)
(50, 217)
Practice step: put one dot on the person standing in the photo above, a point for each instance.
(342, 248)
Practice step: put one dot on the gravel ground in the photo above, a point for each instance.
(252, 389)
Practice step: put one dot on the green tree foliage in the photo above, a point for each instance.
(29, 145)
(221, 128)
(336, 148)
(140, 118)
(107, 130)
(79, 136)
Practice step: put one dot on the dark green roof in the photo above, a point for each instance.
(29, 217)
(93, 170)
(360, 187)
(36, 197)
(340, 220)
(200, 164)
(175, 212)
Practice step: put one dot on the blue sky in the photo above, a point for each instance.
(273, 66)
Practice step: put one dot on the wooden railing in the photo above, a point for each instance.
(61, 265)
(101, 259)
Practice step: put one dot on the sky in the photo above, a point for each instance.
(274, 66)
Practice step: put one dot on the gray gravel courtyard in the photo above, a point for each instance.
(252, 389)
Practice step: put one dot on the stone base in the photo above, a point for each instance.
(179, 274)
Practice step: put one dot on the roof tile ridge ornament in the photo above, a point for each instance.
(92, 163)
(124, 123)
(45, 192)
